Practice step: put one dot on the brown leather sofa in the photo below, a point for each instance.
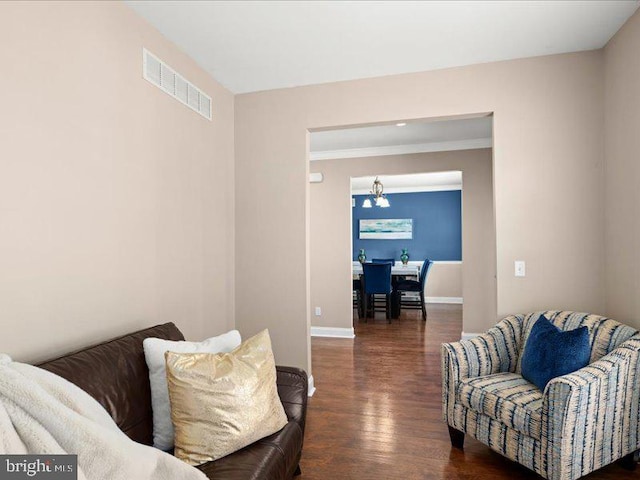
(115, 373)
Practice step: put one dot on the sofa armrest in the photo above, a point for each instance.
(293, 387)
(495, 351)
(591, 417)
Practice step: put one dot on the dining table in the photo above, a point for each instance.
(396, 270)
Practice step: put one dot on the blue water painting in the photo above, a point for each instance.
(386, 229)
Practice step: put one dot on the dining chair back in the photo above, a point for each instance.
(407, 289)
(383, 260)
(424, 271)
(377, 280)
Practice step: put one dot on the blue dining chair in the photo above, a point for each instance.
(377, 281)
(415, 286)
(383, 260)
(392, 261)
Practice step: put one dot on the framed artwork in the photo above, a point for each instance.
(386, 229)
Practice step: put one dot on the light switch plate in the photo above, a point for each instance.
(519, 268)
(318, 311)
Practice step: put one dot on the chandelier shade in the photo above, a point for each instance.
(377, 196)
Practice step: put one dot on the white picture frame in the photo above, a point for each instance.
(386, 229)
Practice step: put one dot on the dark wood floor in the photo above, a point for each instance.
(376, 413)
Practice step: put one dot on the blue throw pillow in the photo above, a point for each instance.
(550, 352)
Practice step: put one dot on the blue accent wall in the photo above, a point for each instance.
(437, 226)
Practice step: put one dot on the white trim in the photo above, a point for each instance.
(312, 387)
(441, 262)
(467, 336)
(402, 149)
(418, 263)
(415, 189)
(334, 332)
(452, 300)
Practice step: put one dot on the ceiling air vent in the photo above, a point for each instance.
(167, 79)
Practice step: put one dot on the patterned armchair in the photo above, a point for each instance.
(581, 422)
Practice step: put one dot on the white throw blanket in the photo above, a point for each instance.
(42, 413)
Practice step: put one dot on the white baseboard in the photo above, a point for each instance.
(335, 332)
(312, 387)
(453, 300)
(467, 336)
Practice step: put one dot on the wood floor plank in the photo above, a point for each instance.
(377, 410)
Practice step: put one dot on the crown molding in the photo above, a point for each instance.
(413, 189)
(401, 149)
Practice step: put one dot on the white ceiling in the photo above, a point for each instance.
(416, 182)
(260, 45)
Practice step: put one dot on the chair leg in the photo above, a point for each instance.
(367, 306)
(388, 306)
(457, 438)
(395, 304)
(630, 462)
(424, 308)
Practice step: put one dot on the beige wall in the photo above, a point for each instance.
(622, 173)
(547, 175)
(331, 234)
(116, 196)
(116, 201)
(445, 279)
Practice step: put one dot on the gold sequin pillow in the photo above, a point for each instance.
(223, 402)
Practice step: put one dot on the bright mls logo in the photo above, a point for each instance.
(40, 467)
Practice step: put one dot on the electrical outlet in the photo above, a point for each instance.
(318, 311)
(520, 268)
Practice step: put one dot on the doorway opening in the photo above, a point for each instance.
(418, 229)
(405, 151)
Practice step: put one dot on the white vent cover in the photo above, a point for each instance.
(168, 80)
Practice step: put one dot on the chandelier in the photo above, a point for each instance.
(376, 196)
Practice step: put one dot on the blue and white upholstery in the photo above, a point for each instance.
(581, 422)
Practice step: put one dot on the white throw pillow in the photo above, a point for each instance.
(154, 350)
